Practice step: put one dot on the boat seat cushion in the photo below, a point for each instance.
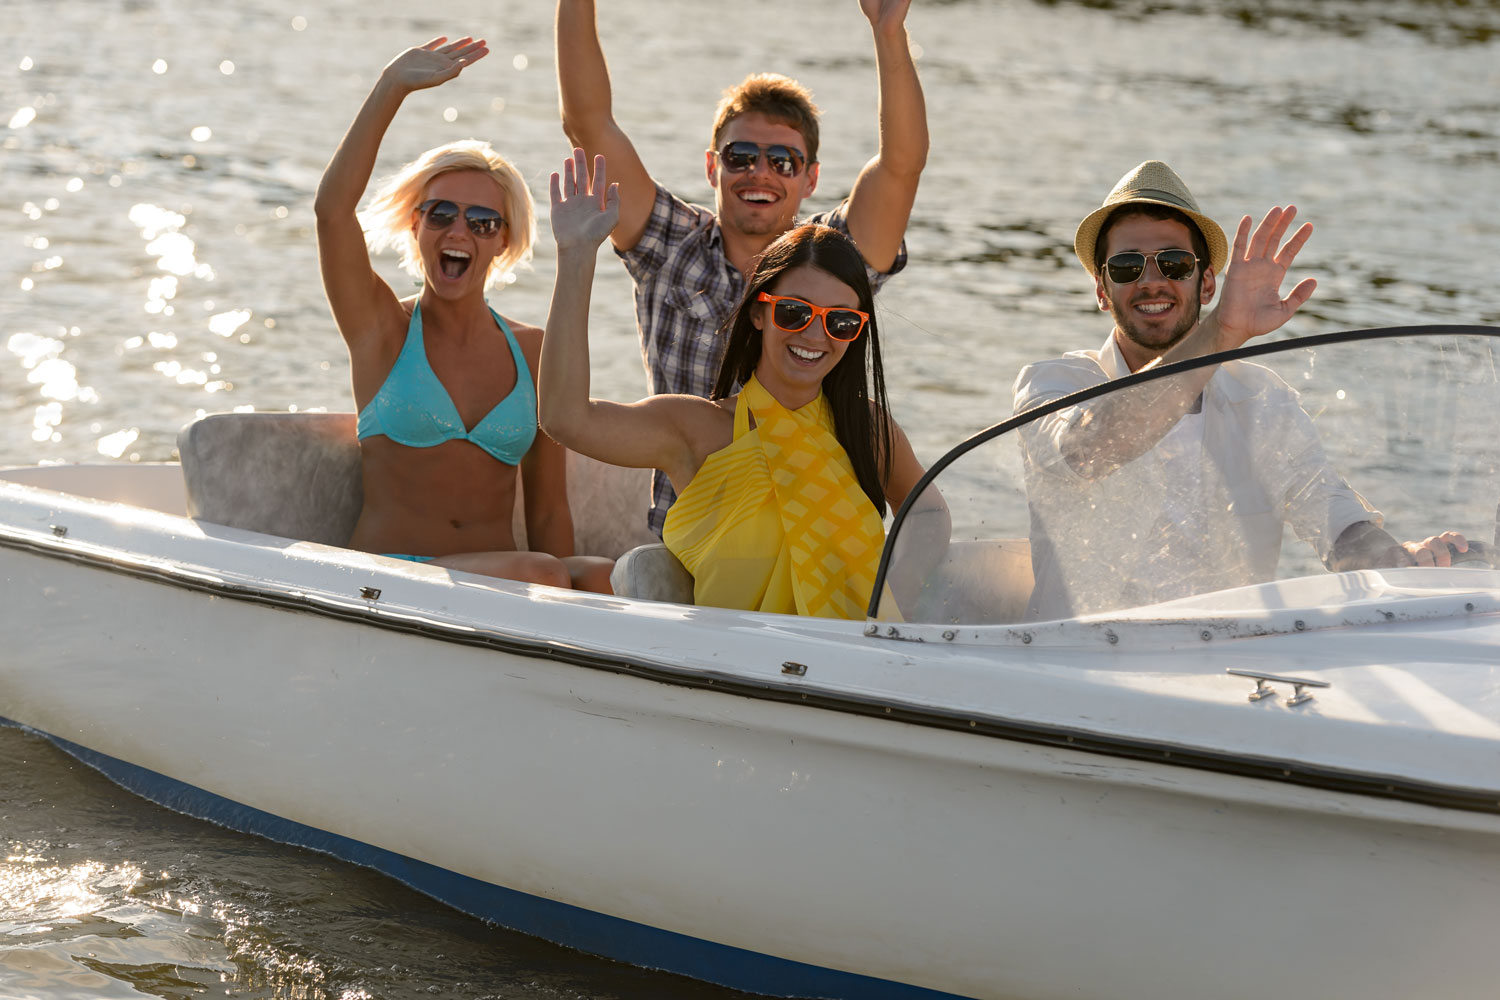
(296, 475)
(652, 573)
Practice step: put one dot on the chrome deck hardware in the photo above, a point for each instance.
(1264, 690)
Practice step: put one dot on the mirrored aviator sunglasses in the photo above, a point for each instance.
(438, 214)
(1175, 265)
(738, 157)
(795, 315)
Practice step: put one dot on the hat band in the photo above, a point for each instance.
(1153, 195)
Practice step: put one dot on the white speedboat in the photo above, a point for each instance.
(1289, 789)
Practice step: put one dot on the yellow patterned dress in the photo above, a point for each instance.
(777, 521)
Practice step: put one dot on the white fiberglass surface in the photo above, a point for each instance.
(1311, 477)
(157, 486)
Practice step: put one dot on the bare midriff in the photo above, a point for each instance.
(436, 501)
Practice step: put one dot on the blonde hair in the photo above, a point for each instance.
(779, 98)
(387, 221)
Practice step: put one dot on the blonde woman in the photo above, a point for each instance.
(445, 386)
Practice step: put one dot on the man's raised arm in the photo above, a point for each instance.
(880, 203)
(1124, 425)
(588, 116)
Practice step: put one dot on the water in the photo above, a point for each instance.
(157, 261)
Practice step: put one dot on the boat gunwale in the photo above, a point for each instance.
(163, 572)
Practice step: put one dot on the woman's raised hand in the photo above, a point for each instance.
(583, 213)
(435, 63)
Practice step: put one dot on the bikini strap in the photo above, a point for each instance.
(516, 353)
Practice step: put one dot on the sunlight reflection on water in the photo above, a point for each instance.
(160, 262)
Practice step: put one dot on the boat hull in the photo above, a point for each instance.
(751, 800)
(746, 841)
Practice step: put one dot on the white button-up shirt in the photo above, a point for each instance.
(1202, 510)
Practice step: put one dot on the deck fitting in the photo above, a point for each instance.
(1263, 688)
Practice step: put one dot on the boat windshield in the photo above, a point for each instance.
(1287, 474)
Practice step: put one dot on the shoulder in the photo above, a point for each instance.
(835, 218)
(671, 219)
(877, 414)
(529, 339)
(838, 218)
(386, 335)
(396, 320)
(527, 336)
(690, 408)
(1045, 380)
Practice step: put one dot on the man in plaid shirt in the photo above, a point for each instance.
(690, 263)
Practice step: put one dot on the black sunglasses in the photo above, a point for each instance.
(438, 214)
(738, 157)
(1175, 265)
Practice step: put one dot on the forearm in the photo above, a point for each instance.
(563, 382)
(550, 530)
(1365, 545)
(902, 106)
(348, 173)
(1121, 427)
(582, 74)
(921, 548)
(1114, 431)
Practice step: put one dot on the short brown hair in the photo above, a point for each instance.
(779, 98)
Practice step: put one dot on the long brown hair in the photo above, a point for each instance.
(857, 379)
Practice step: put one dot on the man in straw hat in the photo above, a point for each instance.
(1182, 486)
(689, 262)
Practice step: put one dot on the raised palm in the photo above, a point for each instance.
(1251, 304)
(584, 212)
(434, 63)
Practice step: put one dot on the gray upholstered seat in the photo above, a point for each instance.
(290, 474)
(296, 475)
(652, 573)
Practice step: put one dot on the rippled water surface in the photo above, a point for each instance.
(156, 261)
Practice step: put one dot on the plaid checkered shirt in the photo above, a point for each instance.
(685, 291)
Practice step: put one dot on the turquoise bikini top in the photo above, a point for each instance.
(413, 408)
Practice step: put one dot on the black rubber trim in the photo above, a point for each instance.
(1287, 772)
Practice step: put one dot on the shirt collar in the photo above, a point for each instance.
(1226, 380)
(1111, 360)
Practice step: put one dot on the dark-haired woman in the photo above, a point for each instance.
(782, 486)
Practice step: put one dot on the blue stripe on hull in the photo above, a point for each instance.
(595, 933)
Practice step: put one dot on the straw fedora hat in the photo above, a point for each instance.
(1151, 183)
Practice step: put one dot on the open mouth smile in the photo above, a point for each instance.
(805, 355)
(758, 196)
(454, 262)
